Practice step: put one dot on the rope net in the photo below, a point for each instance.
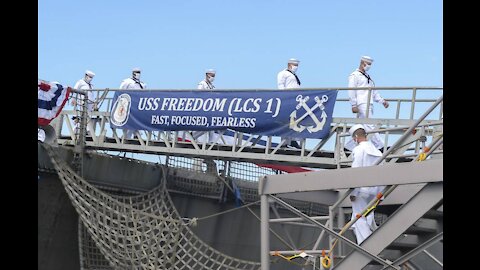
(136, 232)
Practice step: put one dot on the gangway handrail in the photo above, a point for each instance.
(314, 152)
(414, 88)
(276, 89)
(433, 145)
(390, 188)
(385, 192)
(327, 227)
(397, 99)
(398, 142)
(433, 123)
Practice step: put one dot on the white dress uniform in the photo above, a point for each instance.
(364, 154)
(359, 98)
(205, 85)
(287, 80)
(83, 85)
(209, 136)
(132, 84)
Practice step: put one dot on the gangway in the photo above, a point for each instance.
(328, 153)
(409, 137)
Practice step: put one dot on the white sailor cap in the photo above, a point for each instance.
(354, 128)
(136, 70)
(212, 71)
(293, 61)
(89, 73)
(367, 59)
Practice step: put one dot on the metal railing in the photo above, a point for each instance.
(320, 153)
(268, 195)
(329, 225)
(314, 152)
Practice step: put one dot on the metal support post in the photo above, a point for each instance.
(412, 108)
(386, 137)
(340, 224)
(367, 113)
(331, 239)
(264, 232)
(80, 138)
(59, 125)
(397, 114)
(338, 145)
(441, 112)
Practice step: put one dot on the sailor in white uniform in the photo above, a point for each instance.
(364, 154)
(358, 98)
(207, 83)
(132, 83)
(288, 79)
(210, 136)
(86, 84)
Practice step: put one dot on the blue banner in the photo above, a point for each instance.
(287, 113)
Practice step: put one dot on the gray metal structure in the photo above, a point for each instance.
(391, 175)
(151, 217)
(416, 207)
(314, 152)
(197, 196)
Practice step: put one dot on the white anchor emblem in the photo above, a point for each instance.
(302, 102)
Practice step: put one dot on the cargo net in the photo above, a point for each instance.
(136, 232)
